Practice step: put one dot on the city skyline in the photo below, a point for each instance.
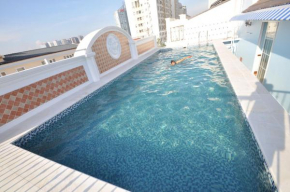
(41, 22)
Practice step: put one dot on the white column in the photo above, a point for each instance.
(133, 49)
(168, 31)
(91, 67)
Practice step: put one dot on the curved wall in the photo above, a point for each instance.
(103, 58)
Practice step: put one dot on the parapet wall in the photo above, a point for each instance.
(103, 59)
(24, 94)
(145, 46)
(18, 102)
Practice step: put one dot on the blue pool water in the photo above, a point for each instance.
(161, 128)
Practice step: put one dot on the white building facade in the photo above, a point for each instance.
(209, 25)
(147, 17)
(263, 47)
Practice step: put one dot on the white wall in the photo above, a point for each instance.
(277, 73)
(247, 46)
(212, 24)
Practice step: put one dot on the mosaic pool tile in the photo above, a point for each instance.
(159, 128)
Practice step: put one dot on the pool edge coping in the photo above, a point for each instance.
(264, 114)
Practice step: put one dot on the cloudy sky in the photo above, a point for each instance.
(24, 25)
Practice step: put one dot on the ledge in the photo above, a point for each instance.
(270, 123)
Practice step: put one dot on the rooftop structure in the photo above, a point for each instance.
(18, 62)
(14, 57)
(263, 4)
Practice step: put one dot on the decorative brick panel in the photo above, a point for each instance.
(145, 47)
(103, 58)
(20, 101)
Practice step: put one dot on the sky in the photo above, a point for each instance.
(24, 25)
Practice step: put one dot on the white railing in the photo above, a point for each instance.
(18, 80)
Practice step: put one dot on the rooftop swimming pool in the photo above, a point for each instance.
(160, 128)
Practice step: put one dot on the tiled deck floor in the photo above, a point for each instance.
(269, 121)
(25, 171)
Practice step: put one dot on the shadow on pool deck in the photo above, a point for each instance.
(270, 123)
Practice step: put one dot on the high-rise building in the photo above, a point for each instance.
(147, 17)
(177, 9)
(122, 19)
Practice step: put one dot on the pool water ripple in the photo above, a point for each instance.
(161, 128)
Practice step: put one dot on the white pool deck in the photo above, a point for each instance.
(270, 123)
(21, 170)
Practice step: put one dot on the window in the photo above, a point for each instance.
(50, 61)
(53, 60)
(43, 63)
(20, 69)
(64, 57)
(2, 74)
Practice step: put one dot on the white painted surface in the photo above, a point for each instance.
(18, 80)
(205, 27)
(270, 123)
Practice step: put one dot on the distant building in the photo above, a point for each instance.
(46, 45)
(69, 41)
(57, 42)
(65, 42)
(80, 37)
(122, 19)
(75, 40)
(147, 18)
(17, 62)
(51, 44)
(177, 9)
